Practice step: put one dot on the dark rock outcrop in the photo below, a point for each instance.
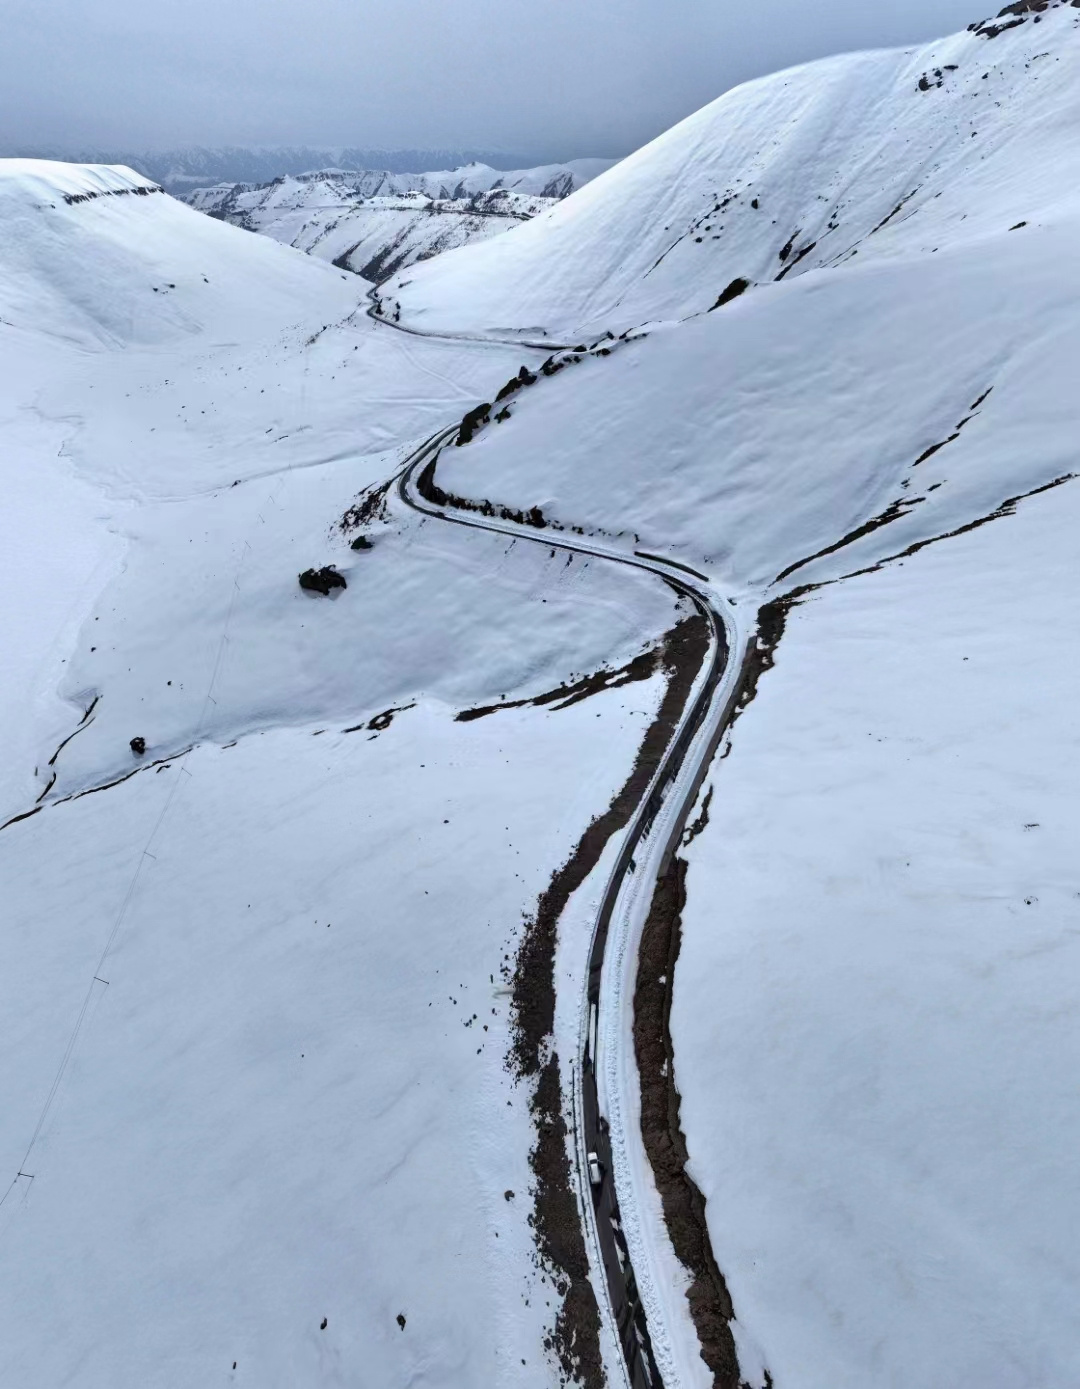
(473, 421)
(322, 580)
(737, 287)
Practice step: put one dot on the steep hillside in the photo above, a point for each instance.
(377, 223)
(870, 156)
(256, 1019)
(98, 256)
(905, 392)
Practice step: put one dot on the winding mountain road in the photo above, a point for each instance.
(610, 1156)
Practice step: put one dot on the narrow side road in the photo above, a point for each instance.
(374, 312)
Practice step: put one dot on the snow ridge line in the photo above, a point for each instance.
(141, 190)
(98, 984)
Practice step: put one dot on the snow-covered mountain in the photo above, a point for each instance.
(198, 166)
(376, 223)
(866, 157)
(301, 1008)
(355, 185)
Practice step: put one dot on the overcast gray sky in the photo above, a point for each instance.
(566, 77)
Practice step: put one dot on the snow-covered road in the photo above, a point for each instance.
(647, 1308)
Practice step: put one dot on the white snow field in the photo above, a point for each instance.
(875, 1016)
(252, 1108)
(377, 223)
(254, 1022)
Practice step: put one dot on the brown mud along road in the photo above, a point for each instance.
(709, 698)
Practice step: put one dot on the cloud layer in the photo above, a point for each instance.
(555, 77)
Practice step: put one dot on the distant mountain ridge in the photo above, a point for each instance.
(180, 170)
(463, 181)
(376, 222)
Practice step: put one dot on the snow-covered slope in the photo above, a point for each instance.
(875, 1019)
(865, 157)
(377, 223)
(255, 1019)
(256, 1128)
(99, 256)
(750, 439)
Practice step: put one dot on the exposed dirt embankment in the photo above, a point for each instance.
(575, 1339)
(684, 1205)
